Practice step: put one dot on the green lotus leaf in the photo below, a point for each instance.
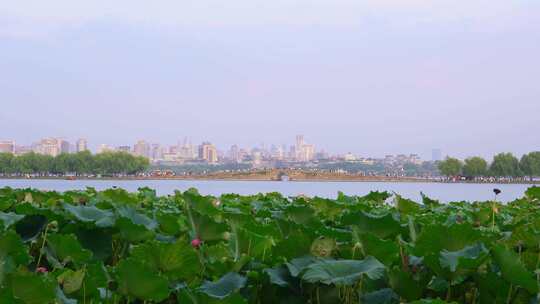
(96, 278)
(202, 204)
(31, 226)
(406, 206)
(132, 232)
(250, 243)
(376, 196)
(298, 265)
(431, 301)
(466, 258)
(513, 270)
(382, 225)
(66, 248)
(98, 241)
(296, 244)
(177, 260)
(456, 237)
(91, 214)
(12, 246)
(438, 284)
(427, 201)
(405, 285)
(386, 251)
(140, 281)
(118, 196)
(492, 288)
(382, 296)
(33, 289)
(300, 214)
(343, 272)
(9, 218)
(137, 218)
(169, 223)
(326, 207)
(279, 276)
(62, 298)
(533, 192)
(208, 229)
(224, 287)
(71, 281)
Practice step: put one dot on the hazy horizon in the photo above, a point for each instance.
(371, 77)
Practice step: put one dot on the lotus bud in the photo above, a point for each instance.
(196, 243)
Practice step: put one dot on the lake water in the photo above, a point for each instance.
(440, 191)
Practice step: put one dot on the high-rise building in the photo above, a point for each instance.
(208, 152)
(299, 141)
(415, 159)
(234, 154)
(436, 155)
(104, 148)
(126, 149)
(277, 152)
(82, 145)
(307, 153)
(64, 146)
(186, 150)
(141, 148)
(302, 151)
(7, 146)
(52, 146)
(20, 150)
(157, 152)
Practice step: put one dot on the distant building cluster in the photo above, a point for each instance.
(299, 155)
(46, 146)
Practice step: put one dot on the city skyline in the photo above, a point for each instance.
(299, 150)
(435, 153)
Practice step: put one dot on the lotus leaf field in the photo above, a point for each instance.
(117, 247)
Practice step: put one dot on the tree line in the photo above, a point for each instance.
(502, 165)
(81, 163)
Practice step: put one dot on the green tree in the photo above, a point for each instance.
(6, 163)
(530, 164)
(450, 166)
(32, 163)
(61, 164)
(113, 163)
(475, 166)
(84, 163)
(505, 164)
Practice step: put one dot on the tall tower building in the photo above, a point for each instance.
(142, 148)
(82, 145)
(234, 154)
(299, 141)
(208, 152)
(63, 145)
(157, 152)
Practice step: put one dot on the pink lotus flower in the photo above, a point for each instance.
(42, 270)
(196, 243)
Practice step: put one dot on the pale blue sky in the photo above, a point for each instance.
(371, 77)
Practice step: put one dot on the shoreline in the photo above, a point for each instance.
(295, 180)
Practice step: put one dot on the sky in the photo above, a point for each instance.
(370, 77)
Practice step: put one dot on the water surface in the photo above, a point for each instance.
(441, 191)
